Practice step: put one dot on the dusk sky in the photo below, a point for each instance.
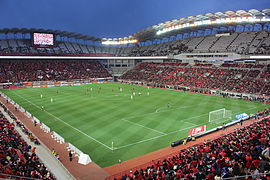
(110, 18)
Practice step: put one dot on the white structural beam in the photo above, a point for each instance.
(82, 57)
(259, 57)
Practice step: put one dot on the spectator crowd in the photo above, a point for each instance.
(29, 70)
(242, 78)
(17, 158)
(244, 152)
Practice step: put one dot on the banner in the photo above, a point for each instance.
(242, 116)
(197, 130)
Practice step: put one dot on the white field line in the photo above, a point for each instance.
(145, 140)
(143, 126)
(67, 123)
(137, 124)
(189, 123)
(171, 108)
(138, 142)
(156, 137)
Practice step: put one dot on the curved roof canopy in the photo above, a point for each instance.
(168, 28)
(56, 32)
(193, 23)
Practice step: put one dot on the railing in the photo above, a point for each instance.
(46, 148)
(15, 177)
(38, 84)
(253, 176)
(49, 54)
(145, 165)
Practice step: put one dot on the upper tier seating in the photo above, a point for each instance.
(238, 42)
(21, 71)
(228, 77)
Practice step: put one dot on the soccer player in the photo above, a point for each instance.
(41, 96)
(51, 100)
(42, 108)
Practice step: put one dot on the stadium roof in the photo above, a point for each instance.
(168, 28)
(56, 32)
(193, 23)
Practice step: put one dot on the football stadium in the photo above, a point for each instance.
(186, 98)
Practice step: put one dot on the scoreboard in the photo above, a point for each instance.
(43, 39)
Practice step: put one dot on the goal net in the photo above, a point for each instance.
(220, 115)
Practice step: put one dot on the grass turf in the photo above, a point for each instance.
(93, 119)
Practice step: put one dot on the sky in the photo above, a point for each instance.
(110, 18)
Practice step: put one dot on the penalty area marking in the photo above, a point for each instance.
(156, 137)
(138, 142)
(143, 126)
(137, 124)
(67, 124)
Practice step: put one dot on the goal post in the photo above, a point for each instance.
(220, 115)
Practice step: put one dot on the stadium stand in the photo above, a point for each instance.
(264, 48)
(222, 43)
(16, 158)
(228, 77)
(206, 44)
(241, 43)
(244, 152)
(22, 71)
(21, 125)
(238, 42)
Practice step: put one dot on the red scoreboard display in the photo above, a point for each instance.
(43, 40)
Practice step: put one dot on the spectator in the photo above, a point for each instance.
(70, 156)
(239, 153)
(16, 158)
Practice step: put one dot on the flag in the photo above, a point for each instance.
(22, 159)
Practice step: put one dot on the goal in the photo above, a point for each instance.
(220, 115)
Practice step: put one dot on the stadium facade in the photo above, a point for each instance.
(231, 35)
(222, 53)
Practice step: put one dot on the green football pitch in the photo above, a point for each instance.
(109, 125)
